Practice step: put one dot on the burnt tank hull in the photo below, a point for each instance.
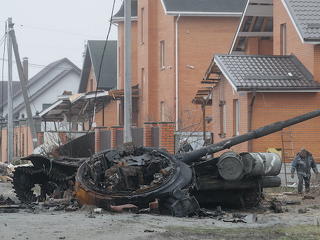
(53, 176)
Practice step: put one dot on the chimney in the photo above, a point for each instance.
(26, 68)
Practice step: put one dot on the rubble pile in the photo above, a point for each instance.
(128, 172)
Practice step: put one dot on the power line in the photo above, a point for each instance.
(38, 65)
(101, 62)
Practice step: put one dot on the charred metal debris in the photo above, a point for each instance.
(145, 177)
(152, 180)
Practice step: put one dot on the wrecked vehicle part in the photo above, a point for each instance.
(231, 180)
(113, 177)
(237, 178)
(54, 176)
(196, 155)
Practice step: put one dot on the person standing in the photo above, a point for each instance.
(302, 164)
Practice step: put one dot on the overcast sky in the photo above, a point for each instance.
(48, 30)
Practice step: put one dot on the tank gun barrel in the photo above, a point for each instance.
(258, 133)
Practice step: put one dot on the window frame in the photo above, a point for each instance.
(162, 55)
(283, 39)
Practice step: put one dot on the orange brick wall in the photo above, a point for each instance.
(167, 136)
(92, 83)
(304, 52)
(225, 92)
(258, 46)
(200, 38)
(108, 116)
(272, 107)
(134, 53)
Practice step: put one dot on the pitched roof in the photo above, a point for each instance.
(204, 7)
(266, 73)
(36, 78)
(108, 75)
(120, 14)
(305, 15)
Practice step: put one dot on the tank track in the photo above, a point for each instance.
(25, 179)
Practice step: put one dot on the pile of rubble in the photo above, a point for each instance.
(6, 172)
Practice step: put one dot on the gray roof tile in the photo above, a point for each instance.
(108, 75)
(266, 73)
(204, 6)
(306, 16)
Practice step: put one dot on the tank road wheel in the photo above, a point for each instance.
(24, 180)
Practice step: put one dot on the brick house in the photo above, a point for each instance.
(172, 41)
(107, 75)
(271, 75)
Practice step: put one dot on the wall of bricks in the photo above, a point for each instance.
(224, 92)
(147, 133)
(108, 115)
(199, 39)
(304, 52)
(167, 130)
(272, 107)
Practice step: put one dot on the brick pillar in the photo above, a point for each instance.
(114, 136)
(147, 133)
(97, 138)
(167, 130)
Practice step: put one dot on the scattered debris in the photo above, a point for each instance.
(97, 210)
(276, 206)
(218, 213)
(124, 208)
(292, 202)
(303, 210)
(308, 197)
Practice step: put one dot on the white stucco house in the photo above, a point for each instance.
(45, 87)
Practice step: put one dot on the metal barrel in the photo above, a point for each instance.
(258, 133)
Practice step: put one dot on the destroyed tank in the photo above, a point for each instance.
(45, 177)
(51, 176)
(181, 183)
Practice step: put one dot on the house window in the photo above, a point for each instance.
(142, 26)
(283, 39)
(162, 54)
(119, 64)
(142, 80)
(236, 117)
(223, 119)
(162, 113)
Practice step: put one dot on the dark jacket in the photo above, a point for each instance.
(303, 165)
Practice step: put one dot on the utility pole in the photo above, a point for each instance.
(127, 67)
(23, 83)
(10, 100)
